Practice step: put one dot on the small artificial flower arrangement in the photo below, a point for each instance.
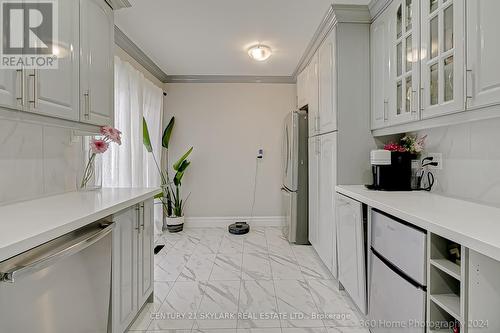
(99, 146)
(408, 144)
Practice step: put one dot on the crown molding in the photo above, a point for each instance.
(376, 7)
(334, 15)
(229, 79)
(135, 52)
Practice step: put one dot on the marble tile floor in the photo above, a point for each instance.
(208, 281)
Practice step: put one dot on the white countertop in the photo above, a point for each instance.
(473, 225)
(28, 224)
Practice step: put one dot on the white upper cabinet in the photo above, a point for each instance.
(313, 95)
(380, 70)
(442, 53)
(11, 88)
(483, 48)
(327, 90)
(54, 92)
(96, 63)
(404, 74)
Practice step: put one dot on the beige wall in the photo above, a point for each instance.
(227, 124)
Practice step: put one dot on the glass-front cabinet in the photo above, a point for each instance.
(404, 72)
(442, 57)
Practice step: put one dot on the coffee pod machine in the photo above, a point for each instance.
(391, 170)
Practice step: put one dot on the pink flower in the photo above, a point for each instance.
(98, 146)
(112, 134)
(394, 147)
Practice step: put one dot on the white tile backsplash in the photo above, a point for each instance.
(471, 160)
(35, 161)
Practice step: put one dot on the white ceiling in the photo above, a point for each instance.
(210, 37)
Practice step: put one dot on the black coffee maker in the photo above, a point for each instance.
(391, 170)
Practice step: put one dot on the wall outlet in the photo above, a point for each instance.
(438, 158)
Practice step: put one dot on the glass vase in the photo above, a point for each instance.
(89, 174)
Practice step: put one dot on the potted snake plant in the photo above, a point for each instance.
(171, 196)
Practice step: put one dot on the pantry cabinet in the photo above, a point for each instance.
(327, 115)
(322, 182)
(327, 174)
(380, 70)
(132, 277)
(96, 63)
(483, 47)
(301, 89)
(313, 183)
(313, 95)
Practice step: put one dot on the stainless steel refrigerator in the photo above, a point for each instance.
(294, 186)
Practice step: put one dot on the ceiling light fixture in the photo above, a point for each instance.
(260, 52)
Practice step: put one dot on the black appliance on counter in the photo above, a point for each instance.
(391, 170)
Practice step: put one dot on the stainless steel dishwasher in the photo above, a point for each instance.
(61, 286)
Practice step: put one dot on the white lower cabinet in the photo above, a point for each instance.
(484, 294)
(351, 249)
(132, 282)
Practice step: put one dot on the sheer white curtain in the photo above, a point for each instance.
(130, 165)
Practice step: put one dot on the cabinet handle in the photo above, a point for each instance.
(138, 209)
(34, 81)
(413, 102)
(468, 86)
(86, 112)
(422, 90)
(386, 107)
(317, 124)
(141, 208)
(21, 85)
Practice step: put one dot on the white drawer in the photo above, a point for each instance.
(403, 245)
(394, 300)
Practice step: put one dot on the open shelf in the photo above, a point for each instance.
(448, 302)
(448, 267)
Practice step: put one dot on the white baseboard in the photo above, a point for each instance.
(217, 222)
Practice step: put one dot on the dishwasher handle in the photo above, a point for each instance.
(17, 272)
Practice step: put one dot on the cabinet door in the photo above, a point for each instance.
(442, 66)
(313, 190)
(97, 42)
(483, 47)
(55, 92)
(124, 306)
(327, 247)
(483, 294)
(351, 249)
(146, 255)
(327, 85)
(380, 70)
(313, 95)
(11, 88)
(302, 89)
(404, 33)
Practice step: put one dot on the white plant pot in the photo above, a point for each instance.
(173, 224)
